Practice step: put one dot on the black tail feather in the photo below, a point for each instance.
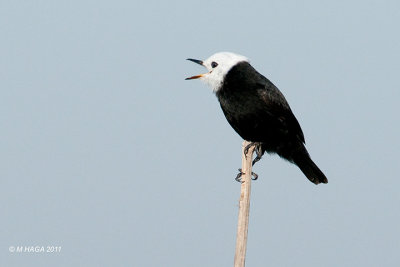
(309, 168)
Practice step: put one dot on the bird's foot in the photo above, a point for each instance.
(259, 153)
(240, 174)
(257, 149)
(246, 149)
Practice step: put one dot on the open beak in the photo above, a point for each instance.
(198, 62)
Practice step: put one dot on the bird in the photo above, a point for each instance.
(257, 110)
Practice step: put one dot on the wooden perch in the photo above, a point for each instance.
(244, 206)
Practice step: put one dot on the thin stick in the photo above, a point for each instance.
(244, 207)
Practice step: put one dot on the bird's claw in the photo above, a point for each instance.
(257, 149)
(246, 149)
(240, 174)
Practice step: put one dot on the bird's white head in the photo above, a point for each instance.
(218, 65)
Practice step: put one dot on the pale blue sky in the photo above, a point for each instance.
(109, 153)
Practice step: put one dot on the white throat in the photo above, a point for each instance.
(225, 61)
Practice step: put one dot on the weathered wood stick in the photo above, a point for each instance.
(244, 206)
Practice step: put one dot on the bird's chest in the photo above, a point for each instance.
(239, 103)
(243, 115)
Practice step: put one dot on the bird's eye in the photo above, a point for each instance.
(214, 64)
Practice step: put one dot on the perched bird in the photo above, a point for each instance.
(257, 110)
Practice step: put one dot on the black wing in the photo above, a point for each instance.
(278, 108)
(257, 110)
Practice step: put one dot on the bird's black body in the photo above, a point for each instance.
(259, 112)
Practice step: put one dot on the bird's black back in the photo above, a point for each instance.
(258, 111)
